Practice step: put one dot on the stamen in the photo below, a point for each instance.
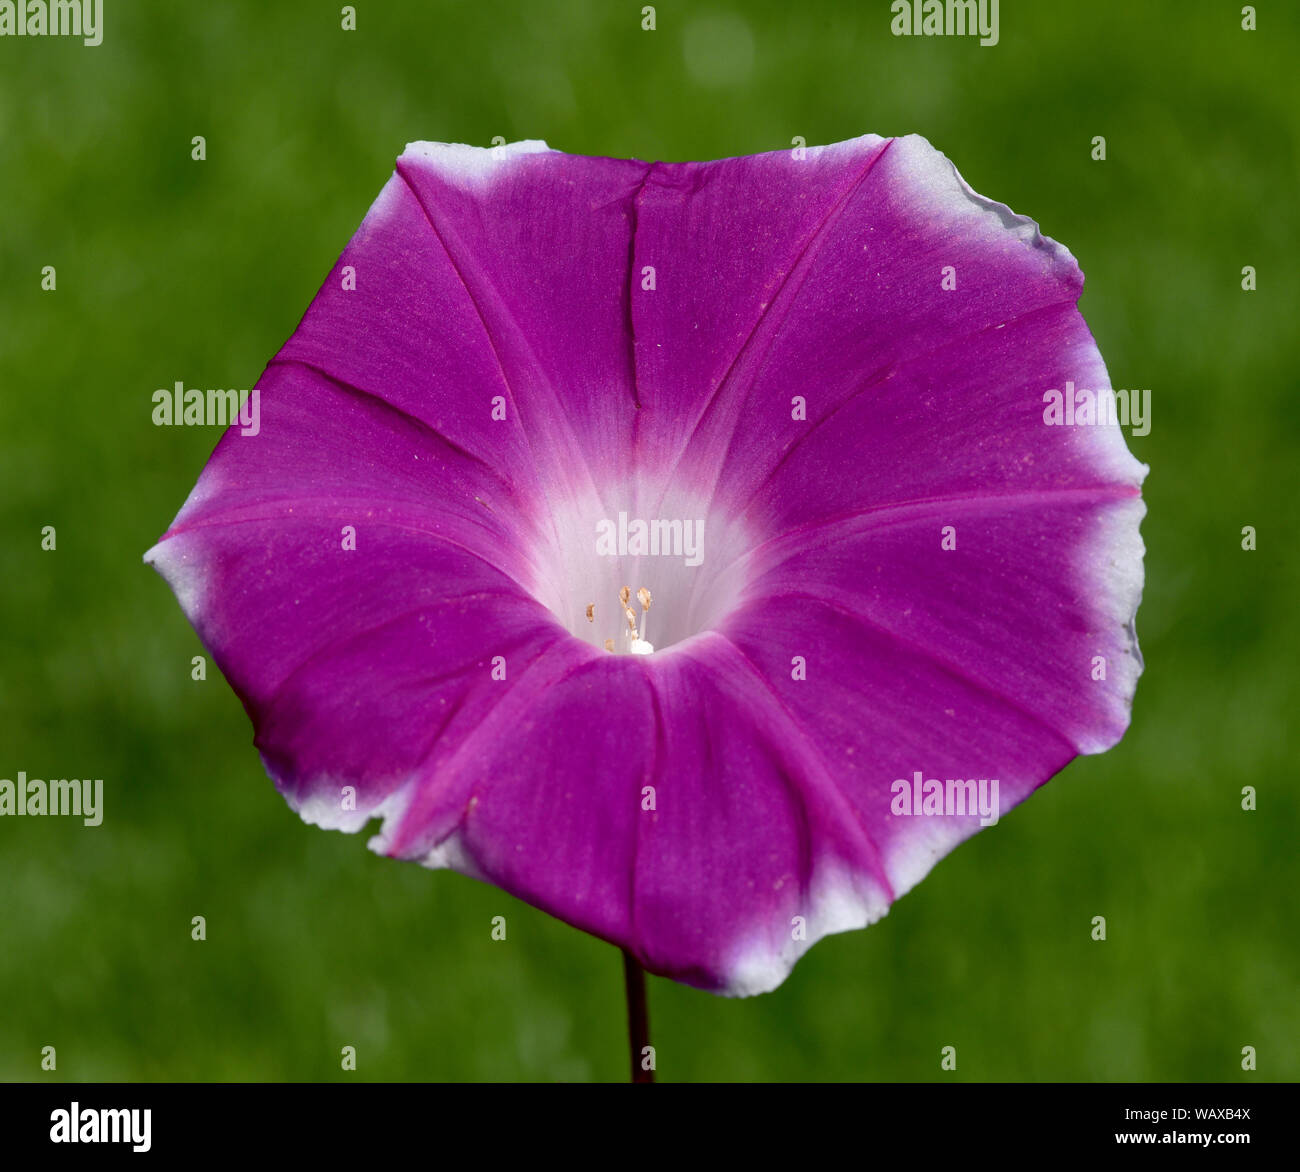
(591, 612)
(636, 640)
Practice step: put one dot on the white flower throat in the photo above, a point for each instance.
(603, 593)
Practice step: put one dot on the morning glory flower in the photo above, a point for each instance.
(684, 548)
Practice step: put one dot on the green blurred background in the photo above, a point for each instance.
(172, 269)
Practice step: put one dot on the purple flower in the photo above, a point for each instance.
(685, 548)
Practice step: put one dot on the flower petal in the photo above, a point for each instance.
(539, 242)
(856, 320)
(667, 804)
(725, 241)
(348, 659)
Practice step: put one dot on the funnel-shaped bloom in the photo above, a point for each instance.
(687, 549)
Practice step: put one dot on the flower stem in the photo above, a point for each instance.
(638, 1018)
